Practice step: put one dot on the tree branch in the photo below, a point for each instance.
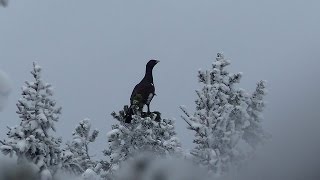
(2, 142)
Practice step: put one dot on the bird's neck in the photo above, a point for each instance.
(148, 76)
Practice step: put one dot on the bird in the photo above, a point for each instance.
(143, 92)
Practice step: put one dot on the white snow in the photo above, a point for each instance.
(89, 174)
(46, 175)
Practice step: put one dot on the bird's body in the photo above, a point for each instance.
(143, 92)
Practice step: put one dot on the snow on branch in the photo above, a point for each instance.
(75, 157)
(144, 135)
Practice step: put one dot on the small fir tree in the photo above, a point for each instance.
(76, 158)
(254, 133)
(31, 141)
(225, 115)
(147, 134)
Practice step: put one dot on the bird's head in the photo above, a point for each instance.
(152, 63)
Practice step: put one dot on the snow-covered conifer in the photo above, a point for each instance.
(76, 158)
(31, 141)
(254, 133)
(145, 134)
(224, 116)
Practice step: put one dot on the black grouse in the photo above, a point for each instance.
(143, 92)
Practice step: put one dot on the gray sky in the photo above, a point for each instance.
(95, 52)
(5, 89)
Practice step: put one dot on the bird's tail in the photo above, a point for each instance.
(128, 116)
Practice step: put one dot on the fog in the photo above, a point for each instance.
(95, 52)
(5, 89)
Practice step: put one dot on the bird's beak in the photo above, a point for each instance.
(157, 61)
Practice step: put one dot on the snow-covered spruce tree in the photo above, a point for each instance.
(31, 141)
(75, 157)
(147, 133)
(253, 132)
(225, 116)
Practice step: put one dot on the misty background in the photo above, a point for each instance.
(95, 52)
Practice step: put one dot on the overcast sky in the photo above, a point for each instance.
(94, 52)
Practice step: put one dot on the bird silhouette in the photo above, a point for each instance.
(143, 92)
